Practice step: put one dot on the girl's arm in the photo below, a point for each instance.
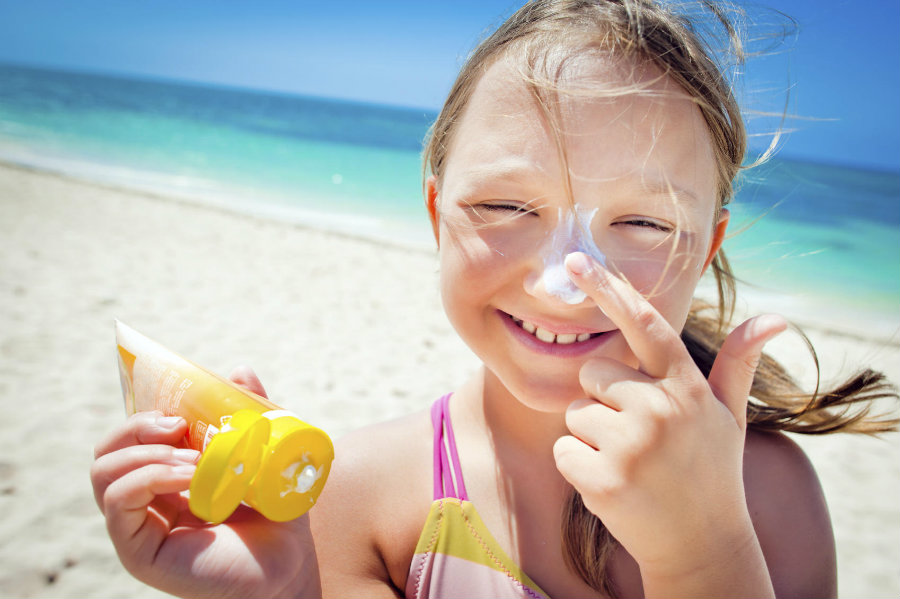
(790, 516)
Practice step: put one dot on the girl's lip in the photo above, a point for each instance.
(579, 348)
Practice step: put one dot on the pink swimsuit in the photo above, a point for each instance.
(456, 555)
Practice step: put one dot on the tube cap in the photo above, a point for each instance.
(227, 466)
(295, 465)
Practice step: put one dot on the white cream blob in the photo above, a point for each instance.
(303, 481)
(306, 479)
(572, 234)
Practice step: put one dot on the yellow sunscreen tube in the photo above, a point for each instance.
(252, 450)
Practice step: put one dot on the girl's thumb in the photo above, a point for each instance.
(732, 372)
(246, 378)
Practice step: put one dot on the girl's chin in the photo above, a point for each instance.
(549, 390)
(552, 406)
(552, 399)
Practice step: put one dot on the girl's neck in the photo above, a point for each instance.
(510, 424)
(512, 475)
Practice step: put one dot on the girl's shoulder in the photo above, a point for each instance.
(372, 510)
(769, 455)
(790, 515)
(385, 464)
(385, 451)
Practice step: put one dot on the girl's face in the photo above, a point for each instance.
(641, 172)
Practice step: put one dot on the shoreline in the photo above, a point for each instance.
(341, 330)
(359, 228)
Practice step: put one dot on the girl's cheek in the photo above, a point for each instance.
(660, 272)
(492, 247)
(469, 261)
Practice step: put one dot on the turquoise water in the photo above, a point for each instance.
(255, 151)
(820, 231)
(826, 232)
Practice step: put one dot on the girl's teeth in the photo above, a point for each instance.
(548, 337)
(544, 335)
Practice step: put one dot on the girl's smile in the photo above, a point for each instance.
(563, 340)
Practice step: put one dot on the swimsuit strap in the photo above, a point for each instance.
(447, 469)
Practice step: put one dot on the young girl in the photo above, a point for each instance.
(576, 183)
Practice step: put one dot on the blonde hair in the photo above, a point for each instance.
(648, 32)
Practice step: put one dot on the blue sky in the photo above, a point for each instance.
(843, 65)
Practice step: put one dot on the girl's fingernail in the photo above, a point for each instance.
(189, 456)
(169, 422)
(186, 470)
(578, 263)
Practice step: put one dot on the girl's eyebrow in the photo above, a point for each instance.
(640, 186)
(516, 170)
(526, 172)
(662, 188)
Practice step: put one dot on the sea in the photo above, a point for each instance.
(819, 240)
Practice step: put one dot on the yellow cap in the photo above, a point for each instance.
(227, 466)
(295, 465)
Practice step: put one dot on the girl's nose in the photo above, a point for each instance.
(549, 281)
(548, 278)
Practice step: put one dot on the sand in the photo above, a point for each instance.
(341, 330)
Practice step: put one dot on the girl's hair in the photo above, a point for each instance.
(647, 32)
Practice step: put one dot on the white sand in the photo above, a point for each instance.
(342, 331)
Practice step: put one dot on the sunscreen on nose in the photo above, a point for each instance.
(252, 450)
(572, 234)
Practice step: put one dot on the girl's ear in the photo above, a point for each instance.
(431, 205)
(717, 238)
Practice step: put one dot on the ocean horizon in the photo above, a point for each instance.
(817, 233)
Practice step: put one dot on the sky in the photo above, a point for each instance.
(841, 64)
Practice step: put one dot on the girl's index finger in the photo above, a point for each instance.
(654, 342)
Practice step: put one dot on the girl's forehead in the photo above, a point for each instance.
(607, 121)
(590, 79)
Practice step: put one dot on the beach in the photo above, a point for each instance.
(344, 331)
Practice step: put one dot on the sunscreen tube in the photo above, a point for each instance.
(252, 450)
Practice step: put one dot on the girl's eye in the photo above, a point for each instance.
(646, 223)
(508, 208)
(498, 212)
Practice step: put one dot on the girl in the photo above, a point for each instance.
(576, 183)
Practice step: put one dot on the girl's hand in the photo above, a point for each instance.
(139, 476)
(657, 452)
